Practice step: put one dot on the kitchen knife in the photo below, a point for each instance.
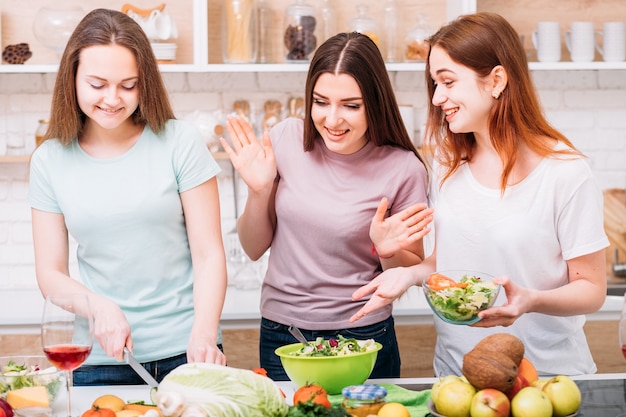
(141, 371)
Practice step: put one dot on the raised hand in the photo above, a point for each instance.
(401, 230)
(253, 160)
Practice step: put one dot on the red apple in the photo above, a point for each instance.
(531, 402)
(520, 382)
(6, 408)
(490, 402)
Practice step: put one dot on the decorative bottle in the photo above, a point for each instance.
(328, 23)
(391, 31)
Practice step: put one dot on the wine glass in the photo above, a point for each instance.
(67, 334)
(622, 327)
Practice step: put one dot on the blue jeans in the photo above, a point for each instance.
(123, 374)
(274, 335)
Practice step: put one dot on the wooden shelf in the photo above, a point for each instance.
(14, 159)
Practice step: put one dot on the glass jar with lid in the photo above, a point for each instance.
(363, 400)
(299, 36)
(239, 31)
(415, 42)
(365, 24)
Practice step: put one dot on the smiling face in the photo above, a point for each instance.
(338, 113)
(465, 99)
(106, 85)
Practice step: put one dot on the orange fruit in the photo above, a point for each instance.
(110, 401)
(393, 410)
(527, 370)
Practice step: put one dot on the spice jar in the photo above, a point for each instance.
(363, 400)
(416, 44)
(239, 34)
(41, 130)
(299, 36)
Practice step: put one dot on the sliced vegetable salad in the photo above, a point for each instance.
(341, 346)
(460, 300)
(15, 376)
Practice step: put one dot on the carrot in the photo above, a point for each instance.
(142, 408)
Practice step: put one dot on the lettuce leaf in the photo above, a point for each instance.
(223, 391)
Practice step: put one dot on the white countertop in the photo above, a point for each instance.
(83, 397)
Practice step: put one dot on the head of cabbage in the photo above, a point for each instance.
(223, 391)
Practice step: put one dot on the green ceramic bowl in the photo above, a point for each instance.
(333, 373)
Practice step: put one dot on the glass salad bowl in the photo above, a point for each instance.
(29, 371)
(457, 296)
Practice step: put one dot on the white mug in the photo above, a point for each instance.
(613, 42)
(580, 41)
(547, 41)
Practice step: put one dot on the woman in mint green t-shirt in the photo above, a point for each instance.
(137, 191)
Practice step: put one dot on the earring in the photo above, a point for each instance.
(496, 94)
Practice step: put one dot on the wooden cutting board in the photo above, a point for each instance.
(615, 227)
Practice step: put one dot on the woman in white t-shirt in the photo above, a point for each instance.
(513, 198)
(339, 197)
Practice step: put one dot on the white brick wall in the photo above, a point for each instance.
(588, 106)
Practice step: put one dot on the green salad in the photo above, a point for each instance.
(14, 376)
(341, 346)
(461, 302)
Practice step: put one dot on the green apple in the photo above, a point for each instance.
(434, 392)
(564, 395)
(531, 402)
(454, 399)
(539, 383)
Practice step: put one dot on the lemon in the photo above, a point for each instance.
(110, 401)
(393, 410)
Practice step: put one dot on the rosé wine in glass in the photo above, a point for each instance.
(67, 334)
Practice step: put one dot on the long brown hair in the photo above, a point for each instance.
(357, 55)
(105, 27)
(482, 41)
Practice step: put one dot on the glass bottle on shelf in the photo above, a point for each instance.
(41, 130)
(391, 31)
(365, 24)
(299, 36)
(328, 24)
(264, 13)
(415, 41)
(239, 43)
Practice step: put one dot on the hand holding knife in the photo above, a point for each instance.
(137, 367)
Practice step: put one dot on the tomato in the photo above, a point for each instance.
(311, 392)
(260, 371)
(439, 282)
(98, 412)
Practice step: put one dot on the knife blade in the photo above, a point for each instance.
(137, 367)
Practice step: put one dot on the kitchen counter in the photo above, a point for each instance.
(604, 395)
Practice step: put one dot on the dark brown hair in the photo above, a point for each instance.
(482, 41)
(106, 27)
(357, 55)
